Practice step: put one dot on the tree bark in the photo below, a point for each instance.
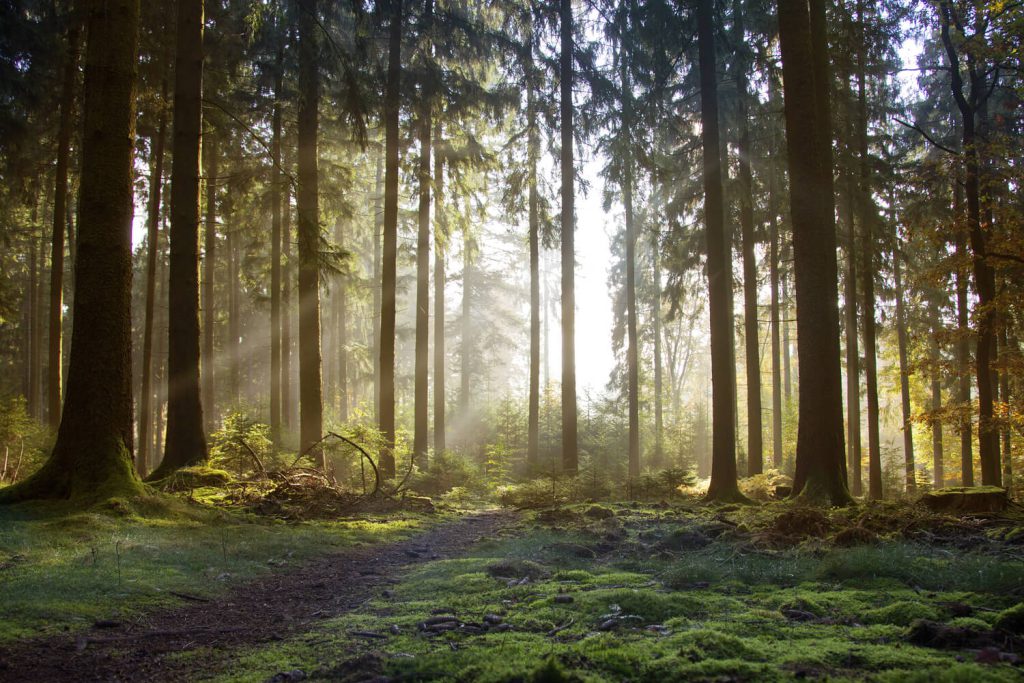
(60, 206)
(723, 484)
(963, 362)
(421, 384)
(378, 223)
(853, 420)
(755, 439)
(440, 238)
(341, 330)
(867, 218)
(92, 457)
(938, 460)
(308, 210)
(390, 255)
(570, 446)
(142, 462)
(287, 319)
(820, 466)
(901, 333)
(984, 276)
(532, 154)
(275, 253)
(773, 226)
(211, 159)
(657, 458)
(632, 352)
(186, 440)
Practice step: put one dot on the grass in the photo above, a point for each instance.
(61, 570)
(727, 611)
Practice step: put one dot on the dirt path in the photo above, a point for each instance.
(266, 610)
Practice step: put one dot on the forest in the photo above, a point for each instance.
(512, 340)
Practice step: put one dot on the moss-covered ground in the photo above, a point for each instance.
(65, 569)
(664, 593)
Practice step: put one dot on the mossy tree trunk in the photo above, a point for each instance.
(92, 457)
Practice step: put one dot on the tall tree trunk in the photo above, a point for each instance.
(570, 446)
(186, 440)
(532, 154)
(440, 240)
(35, 268)
(963, 363)
(901, 332)
(153, 239)
(390, 255)
(938, 461)
(853, 453)
(867, 218)
(984, 276)
(92, 457)
(211, 157)
(787, 357)
(723, 484)
(275, 253)
(466, 353)
(632, 352)
(421, 388)
(755, 444)
(234, 323)
(1009, 345)
(657, 458)
(378, 223)
(308, 210)
(776, 341)
(820, 466)
(341, 329)
(60, 206)
(287, 319)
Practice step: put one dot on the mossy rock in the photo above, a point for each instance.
(189, 478)
(966, 499)
(1012, 620)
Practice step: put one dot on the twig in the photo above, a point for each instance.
(187, 596)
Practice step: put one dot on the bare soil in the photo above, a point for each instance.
(270, 609)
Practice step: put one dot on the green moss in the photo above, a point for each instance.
(900, 613)
(1011, 620)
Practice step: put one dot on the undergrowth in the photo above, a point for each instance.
(622, 592)
(62, 569)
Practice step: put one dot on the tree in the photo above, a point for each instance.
(820, 472)
(275, 252)
(92, 457)
(153, 238)
(186, 440)
(755, 448)
(308, 232)
(723, 484)
(389, 267)
(570, 441)
(421, 388)
(55, 356)
(982, 80)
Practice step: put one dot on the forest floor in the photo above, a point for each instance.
(608, 592)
